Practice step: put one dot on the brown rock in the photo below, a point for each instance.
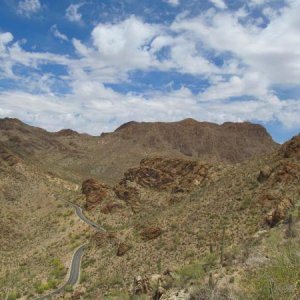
(129, 194)
(94, 191)
(279, 213)
(291, 149)
(287, 172)
(151, 233)
(264, 174)
(110, 208)
(176, 175)
(123, 248)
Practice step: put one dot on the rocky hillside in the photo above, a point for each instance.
(230, 142)
(184, 220)
(77, 156)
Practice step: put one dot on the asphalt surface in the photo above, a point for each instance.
(76, 259)
(80, 215)
(73, 276)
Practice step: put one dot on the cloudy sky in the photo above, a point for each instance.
(92, 65)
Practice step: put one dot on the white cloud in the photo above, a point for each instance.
(219, 3)
(254, 60)
(173, 2)
(72, 13)
(125, 44)
(270, 51)
(28, 7)
(57, 33)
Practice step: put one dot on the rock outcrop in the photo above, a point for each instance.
(176, 175)
(291, 149)
(279, 213)
(95, 192)
(151, 233)
(123, 248)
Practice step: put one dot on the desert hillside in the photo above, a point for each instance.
(186, 219)
(106, 157)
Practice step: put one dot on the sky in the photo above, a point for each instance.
(93, 65)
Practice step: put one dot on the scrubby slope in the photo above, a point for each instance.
(78, 156)
(186, 216)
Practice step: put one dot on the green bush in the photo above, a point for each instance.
(69, 288)
(189, 272)
(59, 270)
(279, 279)
(13, 296)
(83, 277)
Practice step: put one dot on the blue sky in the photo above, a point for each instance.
(93, 65)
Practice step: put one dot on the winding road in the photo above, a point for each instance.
(74, 272)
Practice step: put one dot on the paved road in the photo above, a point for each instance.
(80, 215)
(73, 274)
(76, 259)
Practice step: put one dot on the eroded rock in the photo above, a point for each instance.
(151, 233)
(279, 213)
(95, 192)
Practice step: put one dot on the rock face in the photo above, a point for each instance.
(279, 213)
(177, 175)
(227, 142)
(95, 192)
(291, 149)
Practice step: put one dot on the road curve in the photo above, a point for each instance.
(81, 216)
(76, 259)
(73, 274)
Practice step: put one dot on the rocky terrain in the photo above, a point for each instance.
(75, 156)
(192, 211)
(183, 216)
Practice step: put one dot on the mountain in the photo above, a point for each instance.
(106, 157)
(202, 211)
(204, 227)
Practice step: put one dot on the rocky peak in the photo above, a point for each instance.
(291, 149)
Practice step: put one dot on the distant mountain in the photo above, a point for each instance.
(108, 156)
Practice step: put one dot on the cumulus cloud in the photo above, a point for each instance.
(28, 7)
(220, 3)
(72, 13)
(271, 51)
(57, 33)
(241, 61)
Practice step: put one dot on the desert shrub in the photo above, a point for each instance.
(58, 270)
(52, 284)
(279, 279)
(193, 271)
(69, 288)
(83, 277)
(40, 287)
(13, 296)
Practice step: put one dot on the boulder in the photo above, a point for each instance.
(95, 192)
(264, 174)
(279, 213)
(123, 248)
(151, 233)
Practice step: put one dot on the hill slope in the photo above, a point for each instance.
(78, 156)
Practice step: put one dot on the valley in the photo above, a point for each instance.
(191, 210)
